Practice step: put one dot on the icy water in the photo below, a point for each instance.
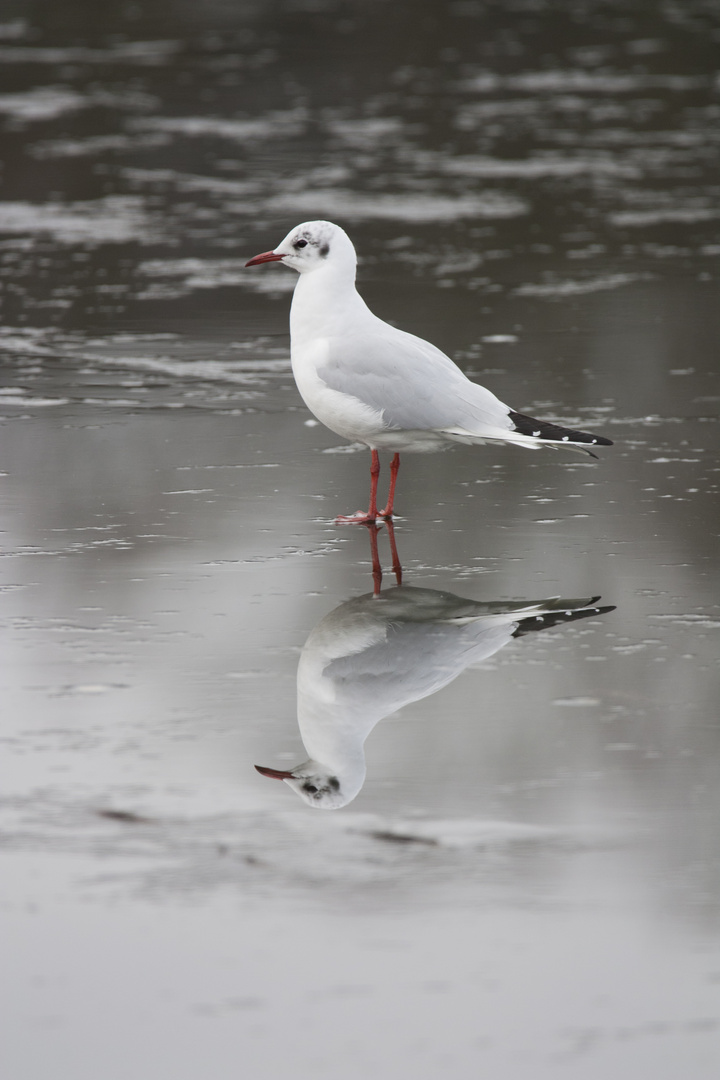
(527, 884)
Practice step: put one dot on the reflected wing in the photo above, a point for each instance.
(427, 638)
(414, 660)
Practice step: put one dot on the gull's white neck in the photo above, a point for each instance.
(333, 731)
(326, 303)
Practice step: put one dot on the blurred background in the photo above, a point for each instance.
(528, 882)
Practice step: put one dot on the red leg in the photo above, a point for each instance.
(371, 516)
(397, 568)
(394, 466)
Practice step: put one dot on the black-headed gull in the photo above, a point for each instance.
(376, 653)
(377, 385)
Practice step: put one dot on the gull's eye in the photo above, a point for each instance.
(300, 244)
(310, 788)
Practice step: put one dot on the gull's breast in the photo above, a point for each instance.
(343, 413)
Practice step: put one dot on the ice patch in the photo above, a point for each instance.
(684, 215)
(539, 167)
(366, 132)
(693, 620)
(572, 288)
(28, 341)
(578, 81)
(272, 126)
(460, 833)
(114, 220)
(12, 31)
(96, 144)
(240, 372)
(90, 688)
(252, 362)
(345, 448)
(408, 206)
(43, 103)
(49, 102)
(19, 399)
(577, 702)
(212, 274)
(144, 53)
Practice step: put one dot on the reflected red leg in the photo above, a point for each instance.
(397, 568)
(376, 567)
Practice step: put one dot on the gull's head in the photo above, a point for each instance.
(313, 245)
(314, 784)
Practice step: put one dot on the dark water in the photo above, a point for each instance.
(527, 883)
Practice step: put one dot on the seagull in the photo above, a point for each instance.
(376, 653)
(374, 384)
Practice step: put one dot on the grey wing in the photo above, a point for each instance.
(414, 384)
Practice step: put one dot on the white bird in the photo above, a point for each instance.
(374, 384)
(376, 653)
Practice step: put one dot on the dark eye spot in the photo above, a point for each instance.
(300, 244)
(310, 788)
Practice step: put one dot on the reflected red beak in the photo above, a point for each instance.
(266, 256)
(274, 774)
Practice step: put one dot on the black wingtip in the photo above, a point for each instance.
(546, 431)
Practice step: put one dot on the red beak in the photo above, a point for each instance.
(267, 256)
(274, 774)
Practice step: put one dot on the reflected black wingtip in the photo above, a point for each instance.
(553, 618)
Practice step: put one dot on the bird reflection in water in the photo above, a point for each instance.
(378, 652)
